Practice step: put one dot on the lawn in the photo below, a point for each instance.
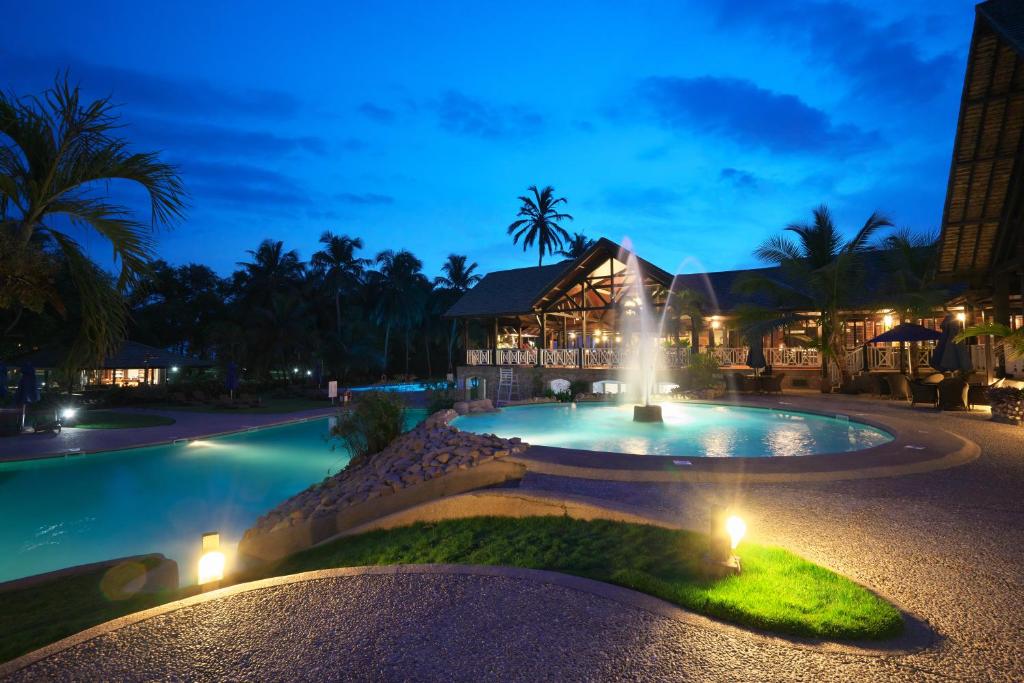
(110, 419)
(777, 590)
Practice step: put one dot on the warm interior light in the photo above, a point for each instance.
(736, 528)
(887, 320)
(961, 316)
(211, 562)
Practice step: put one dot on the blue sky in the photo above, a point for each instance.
(697, 129)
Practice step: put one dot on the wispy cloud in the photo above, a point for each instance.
(738, 178)
(376, 112)
(743, 111)
(207, 140)
(364, 198)
(464, 115)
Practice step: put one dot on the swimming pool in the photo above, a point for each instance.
(401, 388)
(61, 512)
(689, 429)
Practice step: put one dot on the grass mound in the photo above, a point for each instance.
(110, 419)
(777, 590)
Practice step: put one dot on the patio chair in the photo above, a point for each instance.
(899, 386)
(924, 392)
(772, 384)
(953, 394)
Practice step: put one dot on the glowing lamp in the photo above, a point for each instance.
(211, 562)
(295, 370)
(68, 413)
(174, 368)
(887, 320)
(736, 528)
(308, 373)
(961, 316)
(715, 323)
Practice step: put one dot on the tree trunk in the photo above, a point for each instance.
(387, 341)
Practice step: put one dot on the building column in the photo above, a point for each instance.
(543, 339)
(1001, 315)
(495, 344)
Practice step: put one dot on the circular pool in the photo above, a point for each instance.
(689, 429)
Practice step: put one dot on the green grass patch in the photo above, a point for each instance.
(110, 419)
(777, 590)
(37, 616)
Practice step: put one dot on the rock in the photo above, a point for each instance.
(443, 457)
(500, 453)
(461, 407)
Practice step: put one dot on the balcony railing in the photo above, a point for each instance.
(675, 357)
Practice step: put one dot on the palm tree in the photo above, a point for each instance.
(270, 269)
(57, 156)
(456, 281)
(539, 222)
(819, 271)
(341, 266)
(1009, 342)
(576, 246)
(688, 303)
(400, 295)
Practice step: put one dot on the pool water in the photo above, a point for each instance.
(399, 388)
(61, 512)
(689, 429)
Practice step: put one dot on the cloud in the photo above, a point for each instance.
(365, 198)
(880, 59)
(463, 115)
(738, 178)
(239, 184)
(751, 115)
(180, 138)
(141, 91)
(377, 113)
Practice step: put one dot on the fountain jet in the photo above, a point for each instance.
(639, 329)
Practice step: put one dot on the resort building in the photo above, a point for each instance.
(132, 365)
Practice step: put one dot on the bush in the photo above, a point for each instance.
(577, 387)
(376, 419)
(441, 396)
(702, 373)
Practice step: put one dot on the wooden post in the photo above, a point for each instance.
(1001, 314)
(495, 345)
(543, 339)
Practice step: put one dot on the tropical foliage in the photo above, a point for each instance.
(1008, 341)
(820, 271)
(576, 246)
(539, 222)
(59, 157)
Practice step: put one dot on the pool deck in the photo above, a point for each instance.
(187, 425)
(944, 545)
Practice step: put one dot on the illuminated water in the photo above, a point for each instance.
(690, 429)
(60, 512)
(400, 388)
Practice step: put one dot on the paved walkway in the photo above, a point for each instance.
(187, 425)
(945, 545)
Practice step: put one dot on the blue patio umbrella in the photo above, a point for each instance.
(907, 332)
(948, 355)
(3, 379)
(232, 377)
(28, 388)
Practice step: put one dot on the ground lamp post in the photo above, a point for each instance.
(211, 562)
(727, 530)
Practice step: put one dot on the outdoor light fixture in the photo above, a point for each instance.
(961, 316)
(68, 413)
(174, 368)
(211, 562)
(727, 530)
(308, 373)
(295, 370)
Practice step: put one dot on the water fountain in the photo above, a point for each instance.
(638, 328)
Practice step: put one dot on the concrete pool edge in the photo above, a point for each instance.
(305, 416)
(912, 451)
(916, 636)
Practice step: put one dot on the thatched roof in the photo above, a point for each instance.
(982, 217)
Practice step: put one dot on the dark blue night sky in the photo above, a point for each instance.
(696, 128)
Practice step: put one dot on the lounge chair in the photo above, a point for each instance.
(953, 393)
(924, 392)
(899, 386)
(772, 384)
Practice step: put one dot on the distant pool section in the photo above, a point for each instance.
(400, 388)
(61, 512)
(689, 429)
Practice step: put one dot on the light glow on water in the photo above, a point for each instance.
(689, 429)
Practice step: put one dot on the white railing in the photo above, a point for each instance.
(979, 357)
(884, 358)
(612, 358)
(676, 356)
(729, 355)
(478, 357)
(516, 356)
(560, 358)
(924, 356)
(789, 357)
(854, 360)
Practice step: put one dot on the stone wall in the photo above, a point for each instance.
(430, 461)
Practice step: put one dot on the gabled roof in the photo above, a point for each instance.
(128, 355)
(718, 288)
(523, 290)
(508, 292)
(986, 174)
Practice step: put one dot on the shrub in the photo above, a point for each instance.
(577, 387)
(702, 372)
(441, 396)
(376, 419)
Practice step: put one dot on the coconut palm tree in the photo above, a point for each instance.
(538, 222)
(58, 155)
(1008, 341)
(271, 269)
(684, 302)
(400, 286)
(340, 265)
(576, 246)
(819, 271)
(456, 281)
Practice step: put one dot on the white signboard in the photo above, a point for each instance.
(332, 389)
